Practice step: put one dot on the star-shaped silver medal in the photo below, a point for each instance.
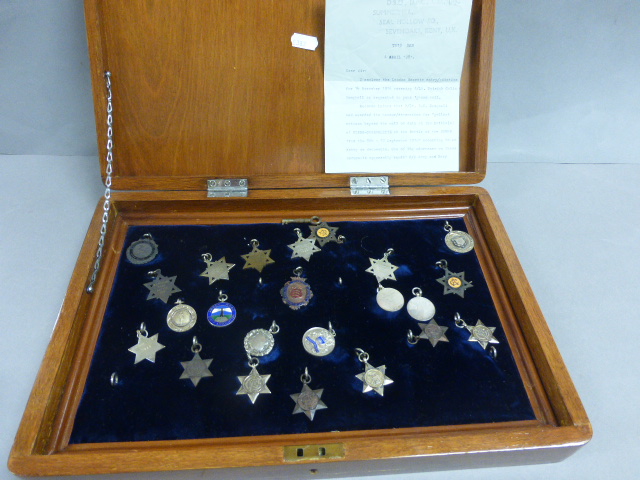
(382, 269)
(161, 287)
(257, 258)
(481, 334)
(433, 332)
(454, 282)
(253, 384)
(308, 401)
(374, 378)
(324, 233)
(196, 368)
(146, 348)
(218, 270)
(303, 247)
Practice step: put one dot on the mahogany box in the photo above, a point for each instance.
(210, 128)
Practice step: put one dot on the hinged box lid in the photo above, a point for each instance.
(214, 89)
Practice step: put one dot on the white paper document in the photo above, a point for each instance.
(392, 84)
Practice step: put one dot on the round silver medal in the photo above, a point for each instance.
(390, 299)
(459, 241)
(258, 342)
(181, 318)
(319, 341)
(142, 251)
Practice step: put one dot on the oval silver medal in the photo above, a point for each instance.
(390, 299)
(421, 308)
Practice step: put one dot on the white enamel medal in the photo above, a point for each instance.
(419, 307)
(257, 258)
(319, 341)
(373, 378)
(197, 368)
(308, 401)
(218, 270)
(161, 287)
(457, 240)
(147, 346)
(182, 317)
(296, 293)
(143, 250)
(303, 247)
(452, 282)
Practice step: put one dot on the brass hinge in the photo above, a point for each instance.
(376, 185)
(227, 187)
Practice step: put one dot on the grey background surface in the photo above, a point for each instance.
(564, 173)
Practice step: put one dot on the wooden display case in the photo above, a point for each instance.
(212, 89)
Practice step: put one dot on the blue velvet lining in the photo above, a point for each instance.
(453, 383)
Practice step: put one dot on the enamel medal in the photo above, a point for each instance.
(218, 270)
(253, 384)
(452, 282)
(324, 233)
(182, 317)
(143, 250)
(197, 368)
(373, 378)
(147, 347)
(303, 247)
(222, 313)
(161, 287)
(457, 240)
(382, 269)
(259, 342)
(308, 401)
(257, 258)
(419, 307)
(296, 293)
(319, 341)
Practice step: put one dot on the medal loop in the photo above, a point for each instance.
(493, 352)
(460, 323)
(298, 271)
(387, 253)
(362, 355)
(153, 273)
(253, 361)
(222, 297)
(114, 379)
(274, 328)
(305, 377)
(331, 330)
(142, 331)
(195, 346)
(254, 242)
(411, 338)
(207, 257)
(447, 227)
(341, 238)
(417, 292)
(442, 264)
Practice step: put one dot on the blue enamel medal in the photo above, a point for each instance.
(222, 313)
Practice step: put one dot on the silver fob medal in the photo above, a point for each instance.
(260, 342)
(182, 317)
(419, 307)
(389, 299)
(143, 250)
(308, 400)
(457, 240)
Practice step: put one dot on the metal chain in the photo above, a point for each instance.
(107, 193)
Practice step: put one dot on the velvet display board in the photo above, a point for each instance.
(455, 382)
